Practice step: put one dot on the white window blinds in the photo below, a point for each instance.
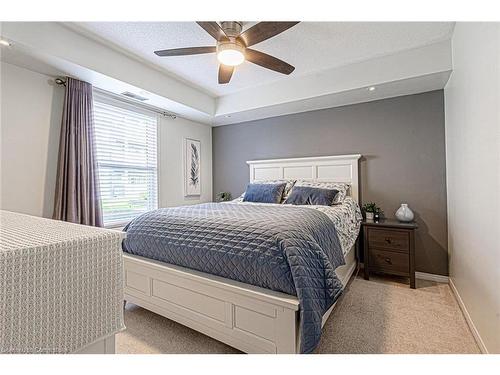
(125, 139)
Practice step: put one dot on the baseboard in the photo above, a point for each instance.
(431, 277)
(468, 319)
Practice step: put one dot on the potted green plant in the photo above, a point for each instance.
(223, 196)
(371, 209)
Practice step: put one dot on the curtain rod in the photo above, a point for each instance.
(148, 107)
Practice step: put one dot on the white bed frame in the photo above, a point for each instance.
(249, 318)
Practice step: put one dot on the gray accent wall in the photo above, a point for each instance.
(402, 141)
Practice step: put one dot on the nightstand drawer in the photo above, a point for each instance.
(388, 239)
(389, 261)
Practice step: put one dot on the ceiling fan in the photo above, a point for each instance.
(232, 46)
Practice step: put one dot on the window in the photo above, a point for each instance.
(125, 138)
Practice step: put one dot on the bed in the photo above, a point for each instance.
(61, 286)
(257, 311)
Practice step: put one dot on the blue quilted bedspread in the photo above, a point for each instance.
(288, 249)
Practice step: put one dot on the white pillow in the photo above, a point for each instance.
(342, 188)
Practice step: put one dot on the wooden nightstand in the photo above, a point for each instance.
(389, 247)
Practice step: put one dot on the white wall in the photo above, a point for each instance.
(172, 133)
(31, 110)
(472, 105)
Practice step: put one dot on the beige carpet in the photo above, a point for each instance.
(382, 315)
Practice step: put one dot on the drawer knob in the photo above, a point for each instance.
(388, 260)
(388, 240)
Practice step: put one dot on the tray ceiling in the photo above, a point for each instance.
(311, 47)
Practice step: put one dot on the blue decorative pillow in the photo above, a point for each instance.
(302, 195)
(264, 193)
(342, 188)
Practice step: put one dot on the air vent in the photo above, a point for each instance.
(134, 96)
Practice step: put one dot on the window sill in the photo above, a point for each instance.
(116, 226)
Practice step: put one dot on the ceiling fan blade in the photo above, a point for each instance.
(225, 73)
(213, 29)
(263, 31)
(268, 61)
(185, 51)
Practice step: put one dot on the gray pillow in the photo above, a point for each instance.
(264, 193)
(342, 188)
(288, 187)
(311, 196)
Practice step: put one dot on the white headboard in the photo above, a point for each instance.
(338, 168)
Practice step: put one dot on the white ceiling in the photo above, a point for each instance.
(394, 58)
(312, 47)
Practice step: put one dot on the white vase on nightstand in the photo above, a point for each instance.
(404, 213)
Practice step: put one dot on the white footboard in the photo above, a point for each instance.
(252, 319)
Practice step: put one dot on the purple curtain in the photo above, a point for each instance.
(77, 188)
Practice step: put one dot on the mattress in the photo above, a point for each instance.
(61, 284)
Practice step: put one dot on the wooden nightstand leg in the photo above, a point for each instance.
(365, 254)
(412, 259)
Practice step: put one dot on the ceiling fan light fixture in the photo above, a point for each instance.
(230, 54)
(232, 46)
